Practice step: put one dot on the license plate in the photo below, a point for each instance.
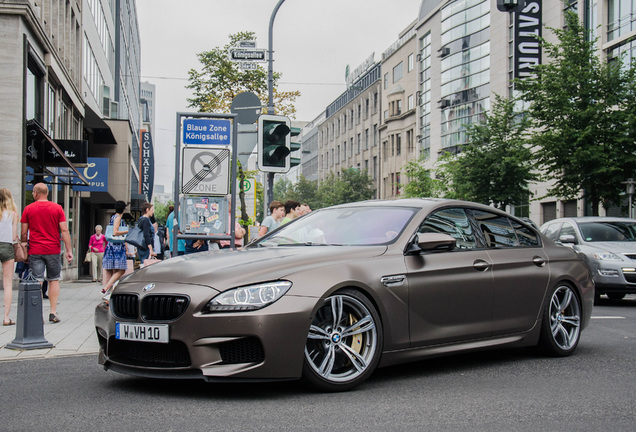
(142, 332)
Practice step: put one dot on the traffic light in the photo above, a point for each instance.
(273, 143)
(294, 146)
(507, 5)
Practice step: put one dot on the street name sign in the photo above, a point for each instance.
(247, 55)
(199, 131)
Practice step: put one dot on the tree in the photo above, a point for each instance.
(352, 185)
(579, 106)
(496, 165)
(220, 80)
(162, 211)
(282, 189)
(420, 183)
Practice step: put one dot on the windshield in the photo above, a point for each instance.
(351, 226)
(608, 231)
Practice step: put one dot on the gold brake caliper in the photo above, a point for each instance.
(356, 340)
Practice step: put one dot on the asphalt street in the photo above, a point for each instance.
(503, 390)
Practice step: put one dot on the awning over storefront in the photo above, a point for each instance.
(100, 130)
(47, 158)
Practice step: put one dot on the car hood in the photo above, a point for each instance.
(227, 269)
(615, 247)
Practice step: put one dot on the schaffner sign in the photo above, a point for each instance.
(147, 166)
(96, 172)
(528, 21)
(357, 73)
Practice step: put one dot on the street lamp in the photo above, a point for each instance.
(630, 193)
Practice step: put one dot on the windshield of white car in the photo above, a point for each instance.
(350, 226)
(608, 231)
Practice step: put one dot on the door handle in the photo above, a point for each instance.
(481, 265)
(538, 261)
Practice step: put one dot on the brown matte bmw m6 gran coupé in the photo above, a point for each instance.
(333, 295)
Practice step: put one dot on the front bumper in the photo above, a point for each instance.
(267, 344)
(614, 277)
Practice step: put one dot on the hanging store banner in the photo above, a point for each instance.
(96, 173)
(146, 166)
(528, 22)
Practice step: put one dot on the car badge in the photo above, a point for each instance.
(149, 287)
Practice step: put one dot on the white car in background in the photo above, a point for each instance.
(608, 243)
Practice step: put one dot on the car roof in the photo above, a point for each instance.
(589, 219)
(423, 203)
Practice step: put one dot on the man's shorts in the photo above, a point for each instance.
(6, 252)
(52, 264)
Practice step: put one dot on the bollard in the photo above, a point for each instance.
(29, 332)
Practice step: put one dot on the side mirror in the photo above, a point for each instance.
(432, 242)
(567, 239)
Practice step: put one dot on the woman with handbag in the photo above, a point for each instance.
(96, 247)
(114, 262)
(8, 236)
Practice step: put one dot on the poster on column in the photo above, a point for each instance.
(204, 215)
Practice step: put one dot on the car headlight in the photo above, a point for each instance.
(607, 256)
(248, 298)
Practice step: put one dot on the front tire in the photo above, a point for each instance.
(344, 343)
(561, 323)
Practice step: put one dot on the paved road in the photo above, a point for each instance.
(504, 390)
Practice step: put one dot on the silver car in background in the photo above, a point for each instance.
(609, 245)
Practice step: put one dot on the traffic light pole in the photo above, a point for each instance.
(270, 101)
(270, 60)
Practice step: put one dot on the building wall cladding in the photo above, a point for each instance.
(464, 56)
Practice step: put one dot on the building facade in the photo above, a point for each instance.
(61, 115)
(349, 137)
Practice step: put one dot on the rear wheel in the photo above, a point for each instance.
(561, 324)
(344, 342)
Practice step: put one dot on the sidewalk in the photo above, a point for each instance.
(74, 335)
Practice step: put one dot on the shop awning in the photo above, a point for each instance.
(100, 130)
(47, 158)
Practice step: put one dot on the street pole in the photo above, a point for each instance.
(270, 102)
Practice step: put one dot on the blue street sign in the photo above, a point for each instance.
(96, 172)
(207, 131)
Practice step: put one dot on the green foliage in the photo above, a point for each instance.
(352, 185)
(497, 164)
(420, 183)
(220, 80)
(582, 109)
(162, 211)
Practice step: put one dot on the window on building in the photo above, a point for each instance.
(386, 81)
(34, 92)
(366, 139)
(398, 144)
(398, 107)
(358, 144)
(411, 63)
(410, 102)
(398, 72)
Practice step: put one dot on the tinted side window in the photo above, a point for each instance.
(496, 229)
(552, 231)
(452, 221)
(526, 236)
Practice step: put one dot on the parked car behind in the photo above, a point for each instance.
(608, 243)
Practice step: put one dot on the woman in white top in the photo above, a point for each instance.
(8, 236)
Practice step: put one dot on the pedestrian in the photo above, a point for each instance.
(43, 222)
(271, 222)
(292, 211)
(194, 246)
(170, 223)
(304, 209)
(115, 263)
(97, 246)
(145, 225)
(8, 236)
(239, 233)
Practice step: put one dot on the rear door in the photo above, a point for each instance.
(520, 271)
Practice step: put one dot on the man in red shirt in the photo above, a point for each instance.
(42, 223)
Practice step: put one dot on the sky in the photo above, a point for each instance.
(314, 41)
